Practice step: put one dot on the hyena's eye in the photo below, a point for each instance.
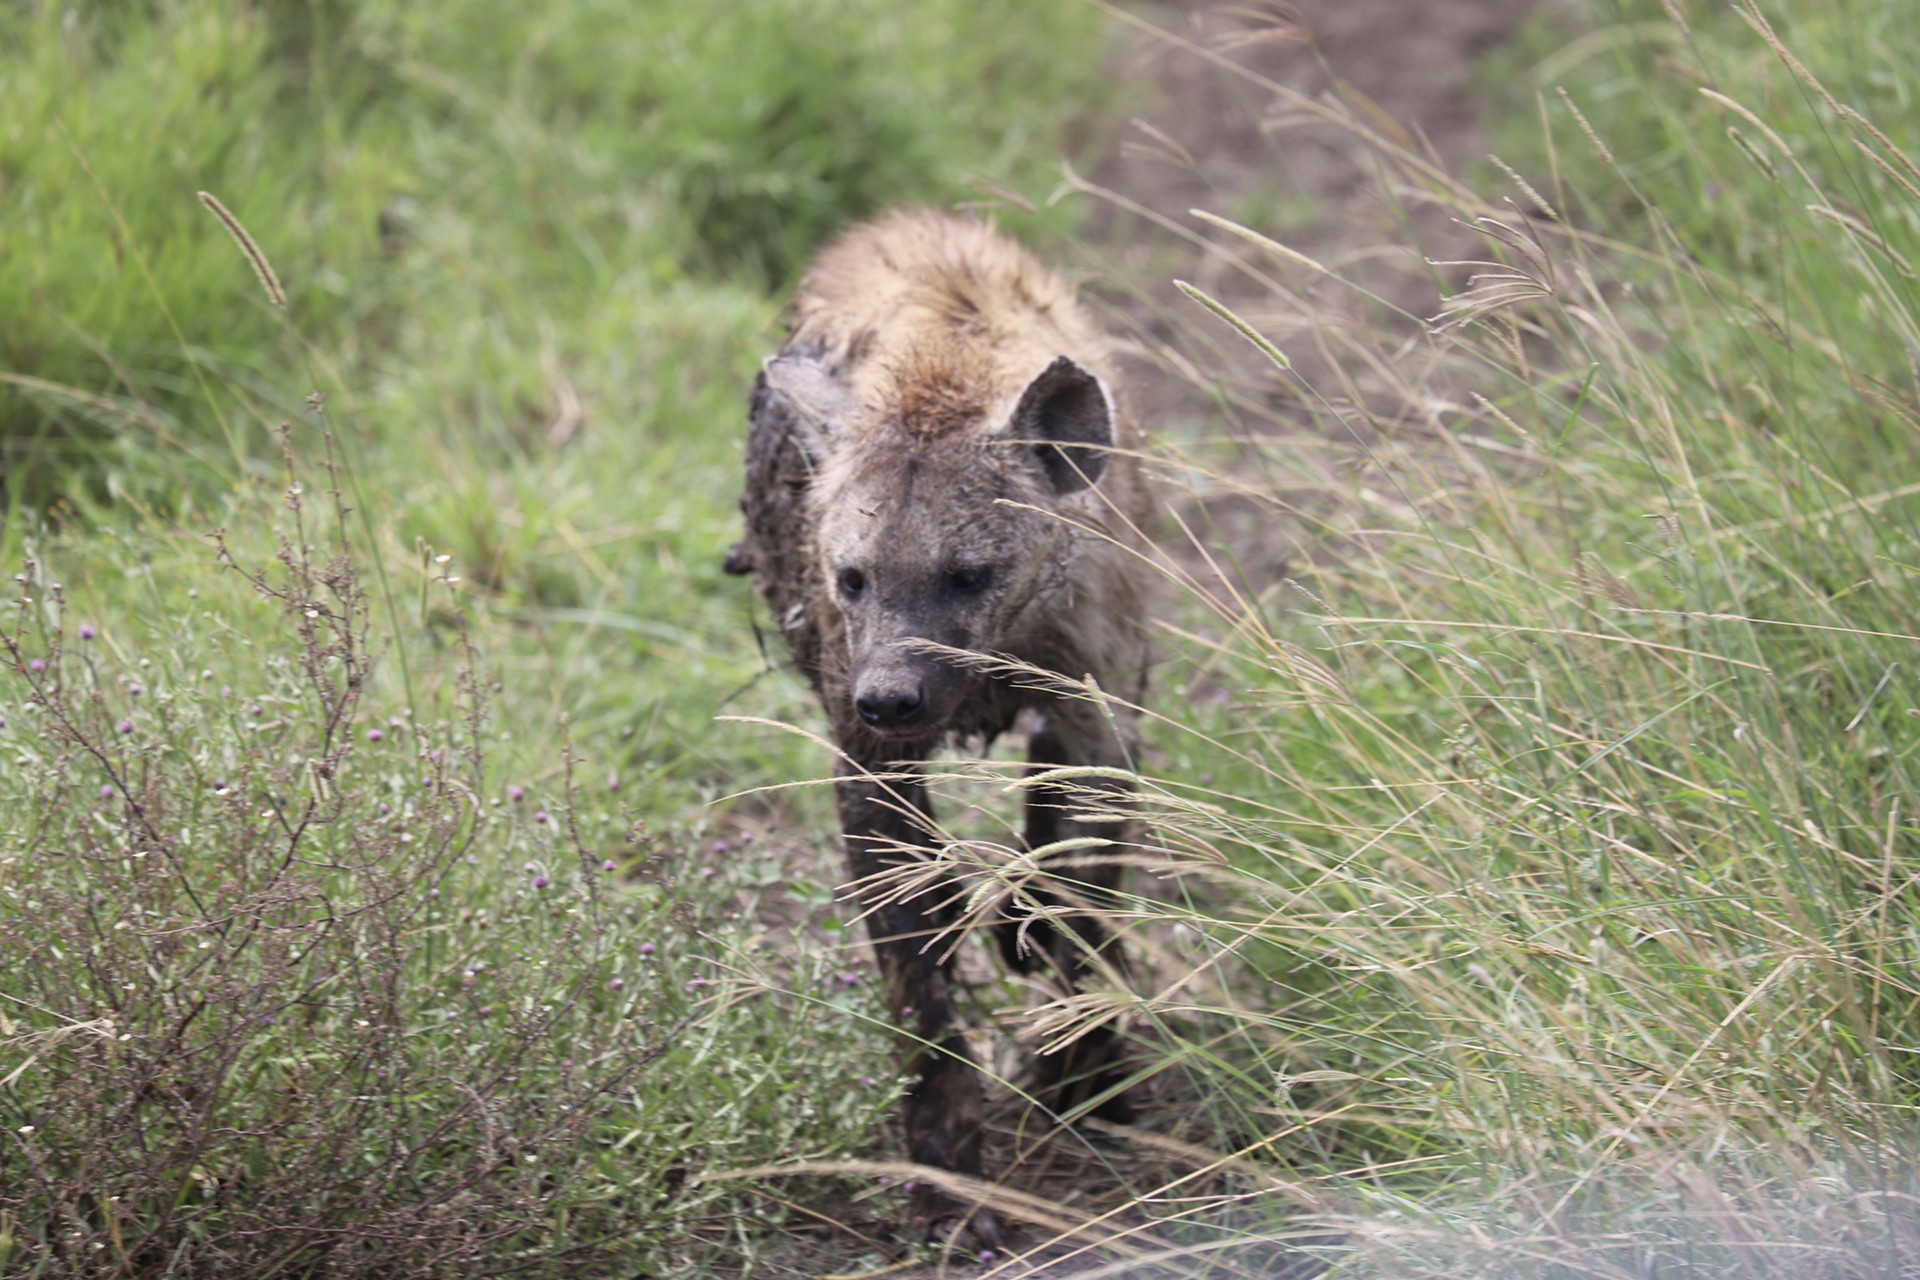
(853, 583)
(966, 582)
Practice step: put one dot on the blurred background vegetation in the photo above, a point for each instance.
(461, 196)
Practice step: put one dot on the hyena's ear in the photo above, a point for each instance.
(820, 402)
(1066, 418)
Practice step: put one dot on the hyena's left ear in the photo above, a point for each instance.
(820, 402)
(1066, 418)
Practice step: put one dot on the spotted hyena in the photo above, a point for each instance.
(937, 454)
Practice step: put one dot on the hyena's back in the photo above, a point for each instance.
(918, 288)
(779, 538)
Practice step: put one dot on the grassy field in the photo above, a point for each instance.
(371, 951)
(380, 894)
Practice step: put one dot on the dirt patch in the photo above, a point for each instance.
(1228, 144)
(1328, 126)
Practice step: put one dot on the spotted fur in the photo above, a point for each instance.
(939, 453)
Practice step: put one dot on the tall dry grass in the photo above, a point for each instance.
(1532, 887)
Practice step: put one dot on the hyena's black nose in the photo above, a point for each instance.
(890, 708)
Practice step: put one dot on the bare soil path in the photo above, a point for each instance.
(1216, 141)
(1243, 125)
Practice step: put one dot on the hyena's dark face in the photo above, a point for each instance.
(947, 542)
(918, 552)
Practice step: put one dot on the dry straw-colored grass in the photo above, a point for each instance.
(1551, 912)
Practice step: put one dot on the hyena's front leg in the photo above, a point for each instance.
(944, 1113)
(1077, 734)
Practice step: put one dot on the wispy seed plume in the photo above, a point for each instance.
(255, 256)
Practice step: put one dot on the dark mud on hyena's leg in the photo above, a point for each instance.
(944, 1111)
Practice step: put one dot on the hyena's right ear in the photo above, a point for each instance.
(820, 402)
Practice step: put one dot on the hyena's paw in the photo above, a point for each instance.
(969, 1229)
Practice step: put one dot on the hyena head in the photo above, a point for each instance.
(937, 507)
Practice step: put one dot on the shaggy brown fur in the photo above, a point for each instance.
(936, 455)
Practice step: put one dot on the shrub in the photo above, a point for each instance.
(269, 1018)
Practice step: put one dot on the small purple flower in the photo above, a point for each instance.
(908, 1185)
(541, 882)
(646, 948)
(609, 865)
(516, 794)
(106, 791)
(987, 1255)
(226, 691)
(613, 782)
(906, 1011)
(721, 846)
(87, 632)
(126, 726)
(615, 984)
(38, 664)
(256, 709)
(484, 1011)
(851, 979)
(135, 690)
(866, 1082)
(746, 837)
(374, 735)
(540, 815)
(385, 808)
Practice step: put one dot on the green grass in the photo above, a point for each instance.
(459, 196)
(532, 256)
